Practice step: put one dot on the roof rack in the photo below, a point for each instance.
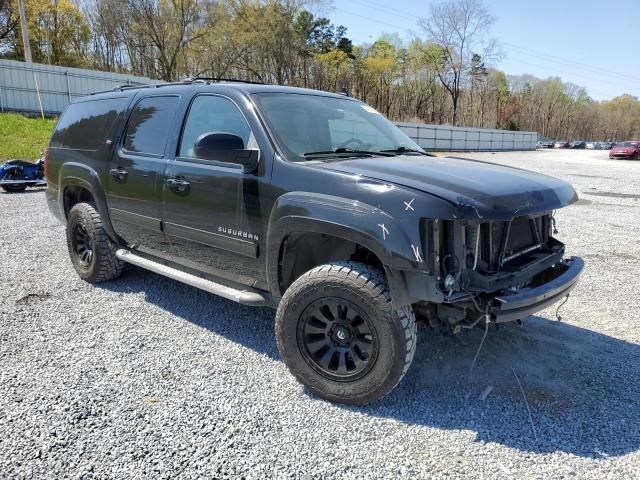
(121, 88)
(220, 79)
(186, 81)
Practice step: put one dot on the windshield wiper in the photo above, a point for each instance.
(342, 150)
(407, 150)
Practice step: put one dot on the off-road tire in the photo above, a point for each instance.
(366, 287)
(104, 265)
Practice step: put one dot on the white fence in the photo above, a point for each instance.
(445, 138)
(57, 85)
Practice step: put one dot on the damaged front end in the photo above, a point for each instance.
(497, 270)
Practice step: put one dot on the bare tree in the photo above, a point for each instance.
(168, 26)
(460, 28)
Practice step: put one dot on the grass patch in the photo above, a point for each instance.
(23, 137)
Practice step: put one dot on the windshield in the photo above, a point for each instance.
(320, 126)
(625, 144)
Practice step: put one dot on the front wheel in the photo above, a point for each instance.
(339, 336)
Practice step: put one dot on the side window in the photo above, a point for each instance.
(85, 125)
(208, 114)
(149, 125)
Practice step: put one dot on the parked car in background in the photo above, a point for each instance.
(579, 144)
(591, 145)
(561, 144)
(545, 144)
(605, 145)
(626, 150)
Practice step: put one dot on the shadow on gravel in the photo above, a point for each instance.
(251, 327)
(582, 387)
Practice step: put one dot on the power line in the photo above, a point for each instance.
(375, 6)
(385, 9)
(523, 50)
(579, 65)
(571, 73)
(372, 19)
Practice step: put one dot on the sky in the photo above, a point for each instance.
(592, 43)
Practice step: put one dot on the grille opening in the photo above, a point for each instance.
(504, 246)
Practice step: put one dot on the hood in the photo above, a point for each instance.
(623, 149)
(478, 188)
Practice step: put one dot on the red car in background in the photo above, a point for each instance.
(628, 150)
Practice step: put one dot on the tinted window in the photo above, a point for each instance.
(149, 125)
(212, 114)
(85, 125)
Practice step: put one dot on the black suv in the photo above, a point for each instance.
(312, 203)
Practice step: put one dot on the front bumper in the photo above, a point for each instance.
(527, 301)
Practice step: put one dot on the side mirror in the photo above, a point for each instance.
(226, 147)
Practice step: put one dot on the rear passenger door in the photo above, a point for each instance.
(135, 180)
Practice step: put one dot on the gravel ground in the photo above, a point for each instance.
(148, 378)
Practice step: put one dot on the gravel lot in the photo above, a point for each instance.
(148, 378)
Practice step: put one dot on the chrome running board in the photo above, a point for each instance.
(244, 297)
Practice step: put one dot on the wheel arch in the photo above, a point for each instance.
(79, 183)
(349, 226)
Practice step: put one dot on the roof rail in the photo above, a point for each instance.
(186, 81)
(220, 79)
(122, 88)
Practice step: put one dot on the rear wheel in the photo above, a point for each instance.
(13, 188)
(338, 335)
(92, 252)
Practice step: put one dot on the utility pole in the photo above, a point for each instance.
(25, 33)
(27, 51)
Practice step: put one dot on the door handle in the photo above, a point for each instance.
(178, 184)
(119, 174)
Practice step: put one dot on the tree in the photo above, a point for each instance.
(8, 23)
(168, 39)
(58, 32)
(460, 28)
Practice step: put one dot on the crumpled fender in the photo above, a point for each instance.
(344, 218)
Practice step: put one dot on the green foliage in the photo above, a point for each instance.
(58, 32)
(23, 137)
(449, 76)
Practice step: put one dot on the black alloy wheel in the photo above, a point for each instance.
(340, 336)
(82, 245)
(337, 339)
(92, 252)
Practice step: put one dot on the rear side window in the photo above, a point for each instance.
(149, 125)
(85, 125)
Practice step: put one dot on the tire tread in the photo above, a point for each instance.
(362, 277)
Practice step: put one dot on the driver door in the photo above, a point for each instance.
(211, 207)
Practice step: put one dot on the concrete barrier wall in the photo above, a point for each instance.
(445, 138)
